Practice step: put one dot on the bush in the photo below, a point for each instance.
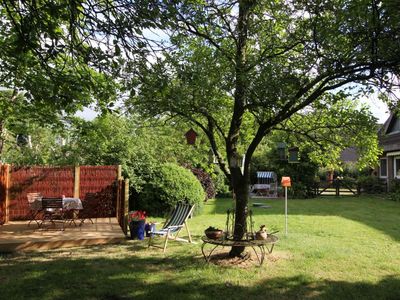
(371, 184)
(205, 180)
(302, 191)
(221, 184)
(167, 187)
(394, 193)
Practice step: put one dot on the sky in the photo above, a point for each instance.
(87, 114)
(377, 108)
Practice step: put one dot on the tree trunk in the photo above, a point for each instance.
(240, 188)
(239, 181)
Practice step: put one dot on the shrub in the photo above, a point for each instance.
(394, 193)
(205, 180)
(371, 184)
(167, 187)
(302, 191)
(221, 184)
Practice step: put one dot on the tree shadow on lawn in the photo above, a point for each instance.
(131, 278)
(375, 212)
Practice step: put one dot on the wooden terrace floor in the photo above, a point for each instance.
(17, 236)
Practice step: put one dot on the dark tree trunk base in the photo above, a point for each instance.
(237, 251)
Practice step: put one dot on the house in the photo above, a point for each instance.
(389, 140)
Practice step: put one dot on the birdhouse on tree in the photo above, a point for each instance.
(294, 155)
(281, 147)
(24, 140)
(191, 136)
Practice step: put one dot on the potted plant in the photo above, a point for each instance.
(214, 233)
(262, 233)
(137, 222)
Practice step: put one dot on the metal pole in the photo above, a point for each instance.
(286, 225)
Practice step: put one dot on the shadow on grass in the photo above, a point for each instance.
(375, 212)
(138, 277)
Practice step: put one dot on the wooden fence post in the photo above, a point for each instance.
(126, 205)
(337, 186)
(7, 193)
(77, 181)
(119, 174)
(119, 201)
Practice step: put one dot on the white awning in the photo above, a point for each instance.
(393, 153)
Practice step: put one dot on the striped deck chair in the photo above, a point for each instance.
(174, 224)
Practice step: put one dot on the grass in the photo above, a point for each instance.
(336, 248)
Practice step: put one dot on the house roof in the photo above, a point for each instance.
(389, 134)
(391, 125)
(385, 126)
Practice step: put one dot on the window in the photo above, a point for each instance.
(383, 168)
(397, 167)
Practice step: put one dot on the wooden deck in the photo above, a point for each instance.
(17, 236)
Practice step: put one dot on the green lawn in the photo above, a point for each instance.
(347, 248)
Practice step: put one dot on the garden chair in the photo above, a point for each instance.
(173, 225)
(35, 207)
(90, 207)
(53, 211)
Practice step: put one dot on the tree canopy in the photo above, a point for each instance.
(68, 53)
(255, 64)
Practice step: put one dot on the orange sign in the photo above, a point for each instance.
(286, 182)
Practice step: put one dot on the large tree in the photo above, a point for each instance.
(240, 69)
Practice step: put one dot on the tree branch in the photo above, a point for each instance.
(209, 131)
(193, 29)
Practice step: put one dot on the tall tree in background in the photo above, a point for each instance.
(241, 69)
(64, 56)
(11, 105)
(19, 117)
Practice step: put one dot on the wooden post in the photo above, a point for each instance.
(119, 174)
(126, 205)
(337, 185)
(286, 211)
(119, 209)
(7, 192)
(77, 181)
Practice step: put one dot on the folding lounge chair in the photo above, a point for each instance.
(174, 224)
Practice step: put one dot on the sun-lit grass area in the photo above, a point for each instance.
(336, 248)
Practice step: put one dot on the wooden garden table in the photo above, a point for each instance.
(263, 245)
